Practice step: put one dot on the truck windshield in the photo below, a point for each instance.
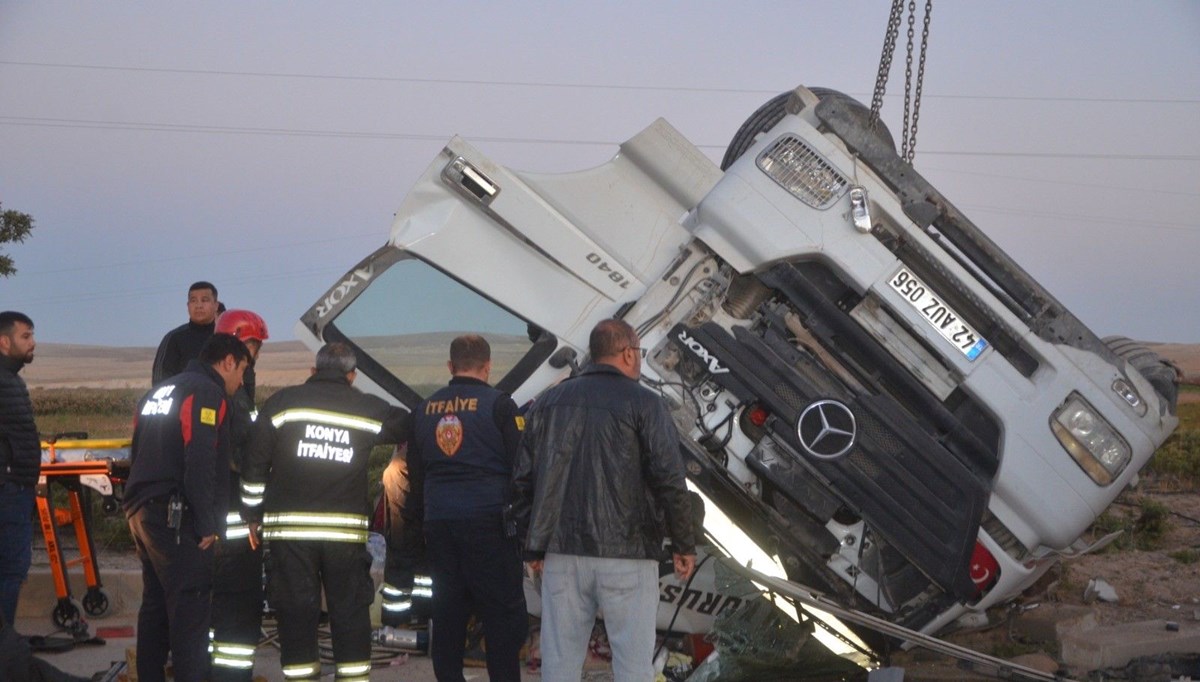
(405, 319)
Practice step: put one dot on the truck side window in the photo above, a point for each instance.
(406, 317)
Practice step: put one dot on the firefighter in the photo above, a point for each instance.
(179, 466)
(237, 568)
(460, 459)
(308, 465)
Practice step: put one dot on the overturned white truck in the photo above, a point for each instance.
(863, 382)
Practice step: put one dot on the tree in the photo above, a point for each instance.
(14, 227)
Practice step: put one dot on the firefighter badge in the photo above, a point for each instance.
(449, 434)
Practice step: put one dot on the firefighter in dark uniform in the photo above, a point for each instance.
(460, 460)
(308, 464)
(179, 468)
(237, 603)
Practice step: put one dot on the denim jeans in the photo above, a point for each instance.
(574, 589)
(16, 544)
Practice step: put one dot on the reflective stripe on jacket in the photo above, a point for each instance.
(305, 473)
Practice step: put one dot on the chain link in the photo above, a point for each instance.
(912, 96)
(912, 142)
(912, 19)
(885, 59)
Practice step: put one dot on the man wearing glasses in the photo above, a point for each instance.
(599, 466)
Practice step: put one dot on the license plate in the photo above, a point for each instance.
(938, 314)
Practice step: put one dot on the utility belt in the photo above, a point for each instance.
(175, 504)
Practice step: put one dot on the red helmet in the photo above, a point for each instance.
(243, 324)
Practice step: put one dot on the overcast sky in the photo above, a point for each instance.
(265, 146)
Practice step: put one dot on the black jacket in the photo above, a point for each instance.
(20, 446)
(600, 473)
(181, 444)
(308, 456)
(178, 347)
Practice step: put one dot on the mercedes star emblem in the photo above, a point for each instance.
(826, 429)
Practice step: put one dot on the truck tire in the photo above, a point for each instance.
(773, 111)
(1161, 374)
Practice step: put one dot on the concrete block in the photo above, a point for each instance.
(122, 587)
(1039, 661)
(1115, 646)
(1049, 623)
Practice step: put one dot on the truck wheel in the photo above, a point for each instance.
(1161, 374)
(769, 114)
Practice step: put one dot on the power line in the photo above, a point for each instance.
(141, 292)
(297, 132)
(1090, 220)
(193, 256)
(552, 84)
(1058, 181)
(391, 79)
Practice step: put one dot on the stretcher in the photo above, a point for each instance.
(78, 465)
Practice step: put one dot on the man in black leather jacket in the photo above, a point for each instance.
(20, 459)
(598, 474)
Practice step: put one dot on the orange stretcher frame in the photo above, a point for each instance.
(69, 474)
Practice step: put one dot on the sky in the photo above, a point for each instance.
(264, 146)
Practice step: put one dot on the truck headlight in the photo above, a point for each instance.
(1090, 440)
(803, 172)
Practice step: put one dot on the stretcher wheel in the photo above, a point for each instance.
(95, 603)
(66, 614)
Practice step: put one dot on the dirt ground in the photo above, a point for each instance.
(1150, 584)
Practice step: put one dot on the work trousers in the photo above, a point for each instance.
(476, 569)
(237, 605)
(16, 544)
(574, 588)
(299, 570)
(175, 613)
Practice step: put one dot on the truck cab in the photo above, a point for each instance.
(863, 382)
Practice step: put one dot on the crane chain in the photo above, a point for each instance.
(912, 97)
(909, 145)
(885, 59)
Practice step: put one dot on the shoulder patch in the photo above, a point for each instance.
(520, 422)
(208, 416)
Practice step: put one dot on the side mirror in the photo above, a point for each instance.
(565, 357)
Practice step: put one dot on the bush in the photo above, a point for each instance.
(1179, 457)
(1142, 527)
(1185, 556)
(85, 401)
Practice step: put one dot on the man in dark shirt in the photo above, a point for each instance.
(20, 459)
(460, 460)
(183, 343)
(174, 501)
